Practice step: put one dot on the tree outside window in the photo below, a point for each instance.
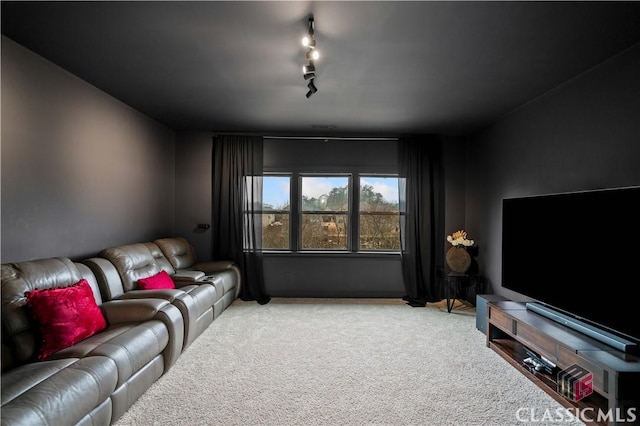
(326, 221)
(325, 212)
(276, 212)
(379, 213)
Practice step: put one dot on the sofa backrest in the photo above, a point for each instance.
(160, 258)
(20, 333)
(107, 277)
(178, 251)
(86, 273)
(132, 261)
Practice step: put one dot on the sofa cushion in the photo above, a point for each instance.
(65, 315)
(59, 392)
(178, 251)
(19, 331)
(159, 257)
(157, 281)
(133, 261)
(130, 345)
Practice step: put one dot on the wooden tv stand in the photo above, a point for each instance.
(616, 375)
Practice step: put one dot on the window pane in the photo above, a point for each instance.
(323, 193)
(324, 232)
(379, 232)
(324, 229)
(275, 217)
(275, 192)
(275, 231)
(379, 213)
(378, 194)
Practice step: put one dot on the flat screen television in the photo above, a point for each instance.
(577, 253)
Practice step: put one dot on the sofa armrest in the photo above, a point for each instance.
(188, 276)
(169, 294)
(132, 310)
(214, 266)
(140, 310)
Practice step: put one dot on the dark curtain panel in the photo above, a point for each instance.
(237, 205)
(421, 216)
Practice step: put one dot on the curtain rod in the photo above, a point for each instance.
(325, 138)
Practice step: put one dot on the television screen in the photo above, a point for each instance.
(578, 252)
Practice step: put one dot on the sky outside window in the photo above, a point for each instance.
(387, 186)
(275, 192)
(325, 193)
(314, 187)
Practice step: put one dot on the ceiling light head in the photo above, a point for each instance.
(312, 87)
(313, 55)
(311, 43)
(311, 25)
(309, 75)
(308, 68)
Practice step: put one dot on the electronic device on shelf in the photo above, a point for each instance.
(537, 363)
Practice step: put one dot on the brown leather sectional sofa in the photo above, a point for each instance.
(94, 381)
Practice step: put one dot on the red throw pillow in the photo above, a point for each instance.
(157, 281)
(66, 316)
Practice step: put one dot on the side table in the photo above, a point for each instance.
(456, 286)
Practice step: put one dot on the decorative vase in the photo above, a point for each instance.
(458, 259)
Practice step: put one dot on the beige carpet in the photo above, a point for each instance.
(343, 362)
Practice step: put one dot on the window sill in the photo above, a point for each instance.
(328, 253)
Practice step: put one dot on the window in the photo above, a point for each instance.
(325, 212)
(331, 212)
(276, 212)
(379, 213)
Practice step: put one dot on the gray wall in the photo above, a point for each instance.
(193, 189)
(583, 135)
(338, 275)
(81, 171)
(455, 160)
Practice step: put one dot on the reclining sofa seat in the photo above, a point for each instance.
(184, 277)
(224, 274)
(118, 270)
(94, 381)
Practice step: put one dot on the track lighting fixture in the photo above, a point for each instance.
(312, 88)
(313, 55)
(309, 42)
(309, 70)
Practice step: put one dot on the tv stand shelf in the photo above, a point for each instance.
(511, 328)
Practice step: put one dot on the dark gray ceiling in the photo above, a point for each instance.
(386, 67)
